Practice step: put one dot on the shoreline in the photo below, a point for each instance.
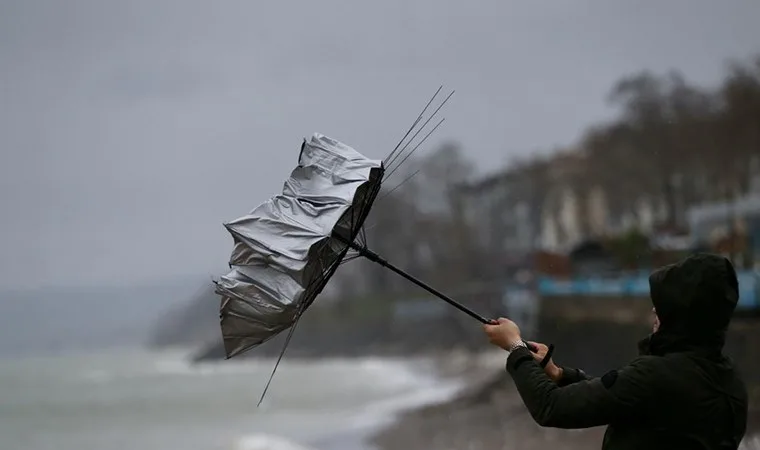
(452, 374)
(481, 409)
(488, 413)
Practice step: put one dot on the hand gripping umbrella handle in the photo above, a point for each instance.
(374, 257)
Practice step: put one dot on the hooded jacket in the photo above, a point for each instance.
(680, 393)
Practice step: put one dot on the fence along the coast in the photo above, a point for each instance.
(637, 285)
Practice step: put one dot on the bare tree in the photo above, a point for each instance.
(739, 124)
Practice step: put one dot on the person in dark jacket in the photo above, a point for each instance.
(680, 393)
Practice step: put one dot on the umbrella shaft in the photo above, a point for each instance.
(374, 257)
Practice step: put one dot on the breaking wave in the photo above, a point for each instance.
(267, 442)
(421, 390)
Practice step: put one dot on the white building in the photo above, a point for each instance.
(503, 211)
(715, 220)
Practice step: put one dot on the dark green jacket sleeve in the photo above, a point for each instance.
(619, 394)
(570, 376)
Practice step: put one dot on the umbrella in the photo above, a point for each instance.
(286, 249)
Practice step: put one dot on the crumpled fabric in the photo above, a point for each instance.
(285, 251)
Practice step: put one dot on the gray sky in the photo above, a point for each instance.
(130, 130)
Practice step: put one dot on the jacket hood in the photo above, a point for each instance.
(694, 300)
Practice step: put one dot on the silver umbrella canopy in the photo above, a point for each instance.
(286, 249)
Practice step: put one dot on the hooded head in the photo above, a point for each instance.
(694, 300)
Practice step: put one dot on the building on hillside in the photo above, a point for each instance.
(499, 208)
(503, 211)
(711, 221)
(643, 214)
(552, 207)
(565, 218)
(578, 209)
(548, 206)
(724, 222)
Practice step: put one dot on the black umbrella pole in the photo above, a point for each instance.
(374, 257)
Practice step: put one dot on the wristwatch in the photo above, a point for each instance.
(516, 345)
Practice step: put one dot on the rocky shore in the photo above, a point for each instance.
(490, 415)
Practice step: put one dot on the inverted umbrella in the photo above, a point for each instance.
(286, 249)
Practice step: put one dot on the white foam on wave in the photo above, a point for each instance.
(384, 412)
(408, 387)
(390, 373)
(371, 417)
(266, 442)
(97, 376)
(179, 364)
(166, 364)
(414, 387)
(173, 366)
(394, 373)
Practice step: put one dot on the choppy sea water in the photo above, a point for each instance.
(139, 400)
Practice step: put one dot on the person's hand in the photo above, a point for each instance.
(552, 370)
(503, 333)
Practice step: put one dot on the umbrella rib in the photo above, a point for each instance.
(279, 358)
(350, 258)
(364, 227)
(360, 235)
(415, 148)
(299, 314)
(399, 185)
(401, 151)
(398, 155)
(366, 205)
(419, 117)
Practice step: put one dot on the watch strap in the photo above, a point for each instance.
(517, 345)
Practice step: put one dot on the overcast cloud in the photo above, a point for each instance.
(130, 130)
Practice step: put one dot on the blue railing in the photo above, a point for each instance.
(638, 285)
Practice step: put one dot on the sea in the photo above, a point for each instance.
(131, 399)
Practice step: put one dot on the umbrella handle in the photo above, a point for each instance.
(532, 347)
